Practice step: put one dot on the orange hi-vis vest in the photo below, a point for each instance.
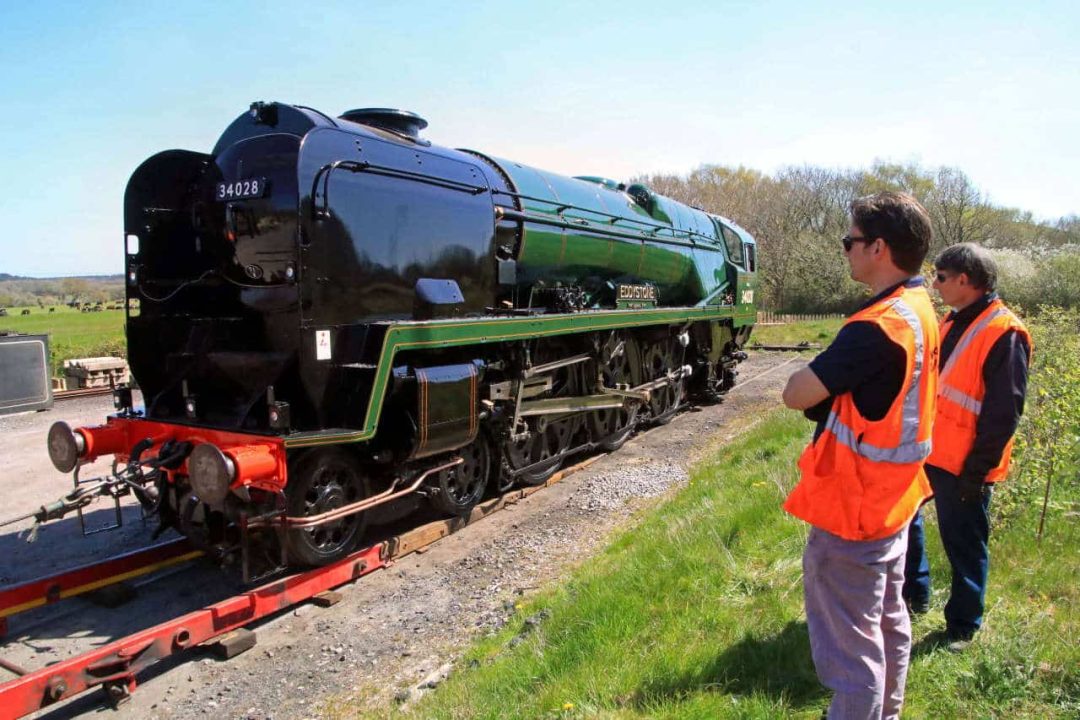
(864, 479)
(961, 390)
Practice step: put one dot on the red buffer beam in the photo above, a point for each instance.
(115, 666)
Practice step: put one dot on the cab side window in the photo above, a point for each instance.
(734, 245)
(750, 252)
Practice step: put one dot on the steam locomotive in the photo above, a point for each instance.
(332, 320)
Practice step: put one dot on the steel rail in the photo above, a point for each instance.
(80, 392)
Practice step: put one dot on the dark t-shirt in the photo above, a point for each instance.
(861, 360)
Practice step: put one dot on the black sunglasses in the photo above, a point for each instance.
(848, 241)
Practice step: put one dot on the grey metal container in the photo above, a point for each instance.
(24, 373)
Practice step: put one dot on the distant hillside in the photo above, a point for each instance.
(61, 278)
(18, 291)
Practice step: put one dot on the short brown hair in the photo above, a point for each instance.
(899, 220)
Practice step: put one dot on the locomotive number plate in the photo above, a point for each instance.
(241, 189)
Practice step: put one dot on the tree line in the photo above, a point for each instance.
(799, 214)
(49, 292)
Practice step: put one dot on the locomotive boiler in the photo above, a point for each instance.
(332, 320)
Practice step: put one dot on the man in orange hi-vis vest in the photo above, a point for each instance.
(872, 393)
(985, 351)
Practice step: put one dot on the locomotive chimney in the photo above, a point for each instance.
(401, 122)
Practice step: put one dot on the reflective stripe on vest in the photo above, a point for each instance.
(909, 450)
(968, 336)
(960, 398)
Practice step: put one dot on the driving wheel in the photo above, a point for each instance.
(620, 366)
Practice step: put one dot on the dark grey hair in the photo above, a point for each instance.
(973, 261)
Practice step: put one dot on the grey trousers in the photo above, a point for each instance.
(860, 633)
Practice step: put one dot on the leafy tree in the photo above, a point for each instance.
(1048, 441)
(74, 289)
(798, 215)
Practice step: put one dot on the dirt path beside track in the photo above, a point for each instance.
(394, 629)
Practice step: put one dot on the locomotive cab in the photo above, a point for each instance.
(212, 263)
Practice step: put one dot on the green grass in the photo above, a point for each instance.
(696, 612)
(821, 332)
(72, 334)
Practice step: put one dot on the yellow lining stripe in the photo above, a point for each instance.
(111, 580)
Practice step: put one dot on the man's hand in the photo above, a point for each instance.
(804, 390)
(970, 490)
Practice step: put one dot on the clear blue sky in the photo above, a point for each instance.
(90, 89)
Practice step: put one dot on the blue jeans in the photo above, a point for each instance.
(965, 534)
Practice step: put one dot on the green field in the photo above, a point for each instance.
(820, 332)
(696, 610)
(72, 334)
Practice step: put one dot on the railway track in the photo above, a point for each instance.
(80, 393)
(114, 667)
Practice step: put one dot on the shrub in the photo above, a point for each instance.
(1053, 280)
(1048, 439)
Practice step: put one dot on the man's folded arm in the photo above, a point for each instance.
(804, 390)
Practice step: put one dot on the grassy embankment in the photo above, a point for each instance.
(72, 334)
(696, 612)
(820, 332)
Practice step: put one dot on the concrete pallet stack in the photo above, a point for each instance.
(95, 372)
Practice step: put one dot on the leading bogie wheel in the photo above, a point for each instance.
(323, 480)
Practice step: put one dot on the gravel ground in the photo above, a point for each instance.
(399, 631)
(28, 480)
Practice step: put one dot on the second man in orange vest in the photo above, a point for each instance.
(985, 351)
